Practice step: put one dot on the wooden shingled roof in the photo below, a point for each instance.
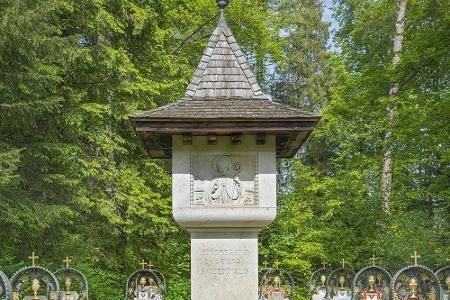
(223, 70)
(223, 97)
(226, 108)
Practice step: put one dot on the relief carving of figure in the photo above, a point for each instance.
(319, 291)
(147, 290)
(224, 180)
(226, 188)
(143, 291)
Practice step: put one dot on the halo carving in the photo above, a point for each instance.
(149, 281)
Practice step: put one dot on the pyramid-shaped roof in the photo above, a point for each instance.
(223, 86)
(223, 70)
(223, 96)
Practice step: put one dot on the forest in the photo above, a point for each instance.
(75, 181)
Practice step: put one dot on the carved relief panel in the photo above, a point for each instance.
(219, 180)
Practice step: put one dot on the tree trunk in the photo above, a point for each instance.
(386, 178)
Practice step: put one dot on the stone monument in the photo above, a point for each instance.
(74, 282)
(415, 282)
(317, 282)
(223, 137)
(372, 283)
(41, 282)
(145, 283)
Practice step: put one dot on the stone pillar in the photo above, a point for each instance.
(223, 195)
(224, 265)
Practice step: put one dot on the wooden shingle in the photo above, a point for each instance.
(223, 57)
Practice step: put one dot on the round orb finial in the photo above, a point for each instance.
(223, 3)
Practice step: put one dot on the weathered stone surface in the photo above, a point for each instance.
(193, 176)
(222, 180)
(224, 266)
(224, 194)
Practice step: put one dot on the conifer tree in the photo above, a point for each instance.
(74, 178)
(304, 77)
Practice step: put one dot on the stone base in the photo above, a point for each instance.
(224, 265)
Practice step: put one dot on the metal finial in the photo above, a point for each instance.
(222, 3)
(277, 264)
(150, 265)
(222, 21)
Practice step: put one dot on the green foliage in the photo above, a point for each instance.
(303, 77)
(330, 205)
(76, 181)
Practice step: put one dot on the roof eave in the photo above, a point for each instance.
(156, 135)
(144, 119)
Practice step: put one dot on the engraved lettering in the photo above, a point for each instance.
(224, 261)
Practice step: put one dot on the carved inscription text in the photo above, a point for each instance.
(224, 261)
